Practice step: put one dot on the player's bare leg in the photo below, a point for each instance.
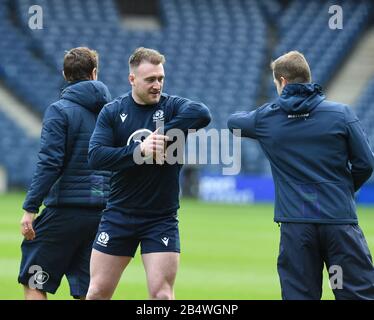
(105, 273)
(161, 269)
(34, 294)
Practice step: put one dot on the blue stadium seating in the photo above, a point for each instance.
(216, 52)
(24, 73)
(304, 26)
(18, 152)
(365, 111)
(214, 49)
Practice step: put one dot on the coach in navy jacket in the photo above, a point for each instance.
(318, 152)
(59, 241)
(319, 157)
(62, 177)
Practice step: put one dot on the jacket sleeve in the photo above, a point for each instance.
(188, 115)
(361, 156)
(245, 122)
(50, 158)
(102, 154)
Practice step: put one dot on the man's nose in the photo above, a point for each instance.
(156, 84)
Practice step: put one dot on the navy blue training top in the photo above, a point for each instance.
(146, 189)
(318, 152)
(62, 177)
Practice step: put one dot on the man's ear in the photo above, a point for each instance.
(131, 78)
(284, 81)
(63, 74)
(94, 74)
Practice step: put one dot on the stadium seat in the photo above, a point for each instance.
(216, 51)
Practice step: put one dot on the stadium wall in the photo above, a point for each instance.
(244, 189)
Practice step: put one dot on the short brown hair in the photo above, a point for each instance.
(145, 54)
(79, 63)
(293, 67)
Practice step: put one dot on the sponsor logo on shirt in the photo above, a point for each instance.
(123, 117)
(301, 115)
(165, 240)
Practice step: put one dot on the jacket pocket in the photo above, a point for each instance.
(325, 200)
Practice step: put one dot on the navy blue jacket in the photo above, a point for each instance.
(318, 152)
(146, 189)
(63, 177)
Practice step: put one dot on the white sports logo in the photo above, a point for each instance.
(103, 239)
(158, 116)
(123, 117)
(165, 240)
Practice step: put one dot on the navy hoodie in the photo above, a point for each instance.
(147, 189)
(318, 152)
(63, 177)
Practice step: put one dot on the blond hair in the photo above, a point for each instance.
(145, 54)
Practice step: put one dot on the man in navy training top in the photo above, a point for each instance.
(319, 157)
(59, 241)
(143, 200)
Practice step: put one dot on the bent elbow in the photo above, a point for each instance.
(93, 163)
(368, 168)
(370, 171)
(233, 125)
(201, 115)
(230, 123)
(205, 115)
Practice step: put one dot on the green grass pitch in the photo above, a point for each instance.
(228, 252)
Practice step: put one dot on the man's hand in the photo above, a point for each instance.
(26, 225)
(154, 146)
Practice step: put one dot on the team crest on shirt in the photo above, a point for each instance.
(158, 116)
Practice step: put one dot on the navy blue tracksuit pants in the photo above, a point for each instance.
(305, 248)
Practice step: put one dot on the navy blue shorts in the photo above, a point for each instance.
(62, 246)
(305, 249)
(120, 234)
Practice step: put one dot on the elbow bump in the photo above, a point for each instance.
(205, 114)
(368, 168)
(233, 127)
(231, 123)
(371, 170)
(207, 117)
